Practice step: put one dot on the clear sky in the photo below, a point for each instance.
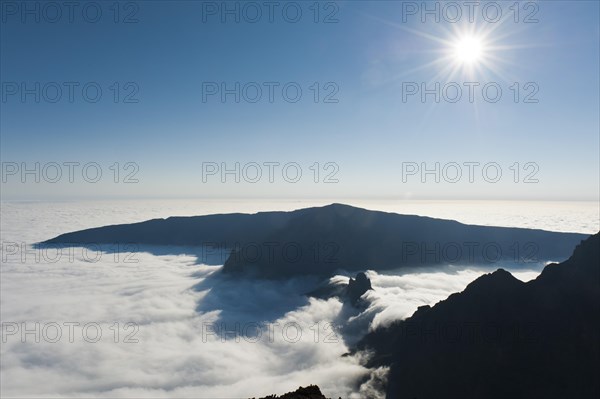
(357, 64)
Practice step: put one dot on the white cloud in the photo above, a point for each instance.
(171, 298)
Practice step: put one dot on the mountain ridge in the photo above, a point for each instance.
(323, 240)
(508, 338)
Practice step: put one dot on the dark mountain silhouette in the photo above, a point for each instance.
(310, 392)
(322, 240)
(502, 338)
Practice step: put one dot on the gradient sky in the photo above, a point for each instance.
(372, 50)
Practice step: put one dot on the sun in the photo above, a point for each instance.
(468, 50)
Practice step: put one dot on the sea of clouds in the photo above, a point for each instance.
(164, 324)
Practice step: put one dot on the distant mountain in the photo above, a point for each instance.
(502, 338)
(322, 240)
(310, 392)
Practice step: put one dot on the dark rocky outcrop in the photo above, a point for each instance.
(320, 241)
(356, 288)
(502, 338)
(351, 292)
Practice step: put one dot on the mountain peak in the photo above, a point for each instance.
(491, 283)
(336, 206)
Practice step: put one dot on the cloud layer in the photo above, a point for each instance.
(195, 333)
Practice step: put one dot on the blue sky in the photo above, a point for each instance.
(177, 49)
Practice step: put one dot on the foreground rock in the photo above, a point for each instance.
(310, 392)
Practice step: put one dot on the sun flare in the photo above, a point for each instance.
(468, 50)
